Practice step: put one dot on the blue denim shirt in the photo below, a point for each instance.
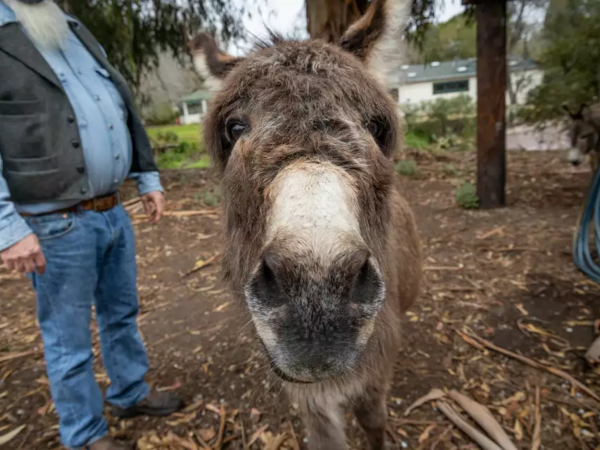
(102, 119)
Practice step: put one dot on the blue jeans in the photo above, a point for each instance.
(90, 261)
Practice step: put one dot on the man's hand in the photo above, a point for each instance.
(154, 205)
(25, 256)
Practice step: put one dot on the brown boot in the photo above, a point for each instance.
(156, 404)
(108, 443)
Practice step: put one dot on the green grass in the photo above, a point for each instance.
(202, 163)
(417, 140)
(186, 133)
(190, 152)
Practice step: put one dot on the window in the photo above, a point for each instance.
(195, 107)
(450, 86)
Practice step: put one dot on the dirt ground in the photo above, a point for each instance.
(505, 275)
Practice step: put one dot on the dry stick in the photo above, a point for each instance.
(537, 430)
(219, 443)
(206, 263)
(133, 201)
(559, 373)
(294, 437)
(414, 422)
(480, 414)
(434, 394)
(230, 439)
(200, 212)
(244, 443)
(485, 442)
(257, 434)
(12, 356)
(167, 337)
(442, 436)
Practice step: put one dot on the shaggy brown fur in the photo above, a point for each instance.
(305, 105)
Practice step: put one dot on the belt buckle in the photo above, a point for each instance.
(94, 205)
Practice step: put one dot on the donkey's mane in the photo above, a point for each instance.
(272, 39)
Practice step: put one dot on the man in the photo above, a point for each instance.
(69, 136)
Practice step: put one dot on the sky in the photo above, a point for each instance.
(288, 17)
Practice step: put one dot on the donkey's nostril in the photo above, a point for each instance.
(368, 286)
(264, 286)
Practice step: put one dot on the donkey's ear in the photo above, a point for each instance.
(572, 115)
(586, 112)
(211, 63)
(376, 38)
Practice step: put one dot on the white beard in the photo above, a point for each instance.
(45, 23)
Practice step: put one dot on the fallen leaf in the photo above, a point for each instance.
(425, 435)
(207, 434)
(185, 419)
(518, 430)
(516, 398)
(255, 414)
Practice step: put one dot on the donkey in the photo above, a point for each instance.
(584, 134)
(320, 246)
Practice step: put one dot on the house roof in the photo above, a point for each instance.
(200, 94)
(447, 70)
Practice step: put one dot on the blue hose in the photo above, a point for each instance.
(581, 245)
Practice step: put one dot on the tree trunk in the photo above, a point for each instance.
(491, 103)
(329, 19)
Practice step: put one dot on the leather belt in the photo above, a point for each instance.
(99, 204)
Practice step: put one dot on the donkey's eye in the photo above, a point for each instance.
(235, 129)
(378, 129)
(374, 128)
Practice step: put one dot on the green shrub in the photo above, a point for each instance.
(176, 158)
(161, 114)
(211, 197)
(407, 168)
(417, 139)
(466, 196)
(170, 137)
(442, 117)
(450, 170)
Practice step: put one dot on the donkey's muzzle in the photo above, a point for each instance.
(315, 317)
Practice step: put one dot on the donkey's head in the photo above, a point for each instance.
(303, 135)
(582, 134)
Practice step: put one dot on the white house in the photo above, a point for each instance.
(194, 106)
(426, 82)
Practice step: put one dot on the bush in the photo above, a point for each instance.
(407, 168)
(211, 197)
(176, 157)
(161, 114)
(466, 196)
(415, 139)
(442, 117)
(450, 170)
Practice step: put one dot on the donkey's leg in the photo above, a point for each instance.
(371, 413)
(325, 425)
